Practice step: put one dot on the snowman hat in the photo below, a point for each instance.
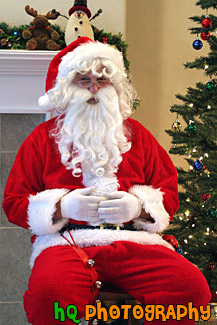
(67, 60)
(80, 5)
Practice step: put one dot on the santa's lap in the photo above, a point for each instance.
(153, 274)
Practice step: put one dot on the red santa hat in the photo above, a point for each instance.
(67, 60)
(80, 5)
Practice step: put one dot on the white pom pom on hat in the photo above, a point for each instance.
(45, 104)
(66, 60)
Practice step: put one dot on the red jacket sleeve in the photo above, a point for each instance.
(24, 179)
(161, 173)
(159, 192)
(27, 201)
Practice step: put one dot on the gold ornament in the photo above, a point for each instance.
(177, 126)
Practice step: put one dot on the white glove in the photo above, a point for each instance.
(81, 205)
(119, 208)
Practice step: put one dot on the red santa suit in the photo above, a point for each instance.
(36, 183)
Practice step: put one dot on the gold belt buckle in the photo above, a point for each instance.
(116, 225)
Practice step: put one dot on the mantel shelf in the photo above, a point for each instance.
(25, 62)
(22, 79)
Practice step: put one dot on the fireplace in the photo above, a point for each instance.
(22, 81)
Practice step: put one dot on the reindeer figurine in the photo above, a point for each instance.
(42, 37)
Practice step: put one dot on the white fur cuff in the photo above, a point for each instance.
(41, 209)
(152, 202)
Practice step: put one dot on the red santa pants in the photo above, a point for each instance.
(152, 274)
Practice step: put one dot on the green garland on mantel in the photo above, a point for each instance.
(11, 38)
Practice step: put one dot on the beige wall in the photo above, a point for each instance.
(159, 44)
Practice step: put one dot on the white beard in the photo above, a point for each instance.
(92, 138)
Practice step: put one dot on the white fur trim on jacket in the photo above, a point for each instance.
(41, 209)
(96, 237)
(152, 202)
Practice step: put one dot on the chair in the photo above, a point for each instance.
(109, 295)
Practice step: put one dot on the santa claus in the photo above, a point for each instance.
(95, 188)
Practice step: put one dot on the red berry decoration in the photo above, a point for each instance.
(213, 295)
(205, 36)
(211, 266)
(172, 240)
(206, 23)
(204, 197)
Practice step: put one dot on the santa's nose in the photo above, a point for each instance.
(94, 87)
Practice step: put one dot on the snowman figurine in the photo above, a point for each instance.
(78, 24)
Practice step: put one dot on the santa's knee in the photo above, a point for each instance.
(194, 287)
(47, 285)
(43, 291)
(56, 292)
(47, 299)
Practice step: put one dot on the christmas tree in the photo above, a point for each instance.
(195, 224)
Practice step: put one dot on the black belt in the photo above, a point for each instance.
(73, 226)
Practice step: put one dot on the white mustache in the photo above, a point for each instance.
(84, 95)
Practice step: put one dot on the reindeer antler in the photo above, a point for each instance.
(52, 14)
(31, 11)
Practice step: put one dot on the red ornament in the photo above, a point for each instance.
(205, 36)
(171, 240)
(206, 23)
(204, 197)
(211, 266)
(105, 39)
(213, 295)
